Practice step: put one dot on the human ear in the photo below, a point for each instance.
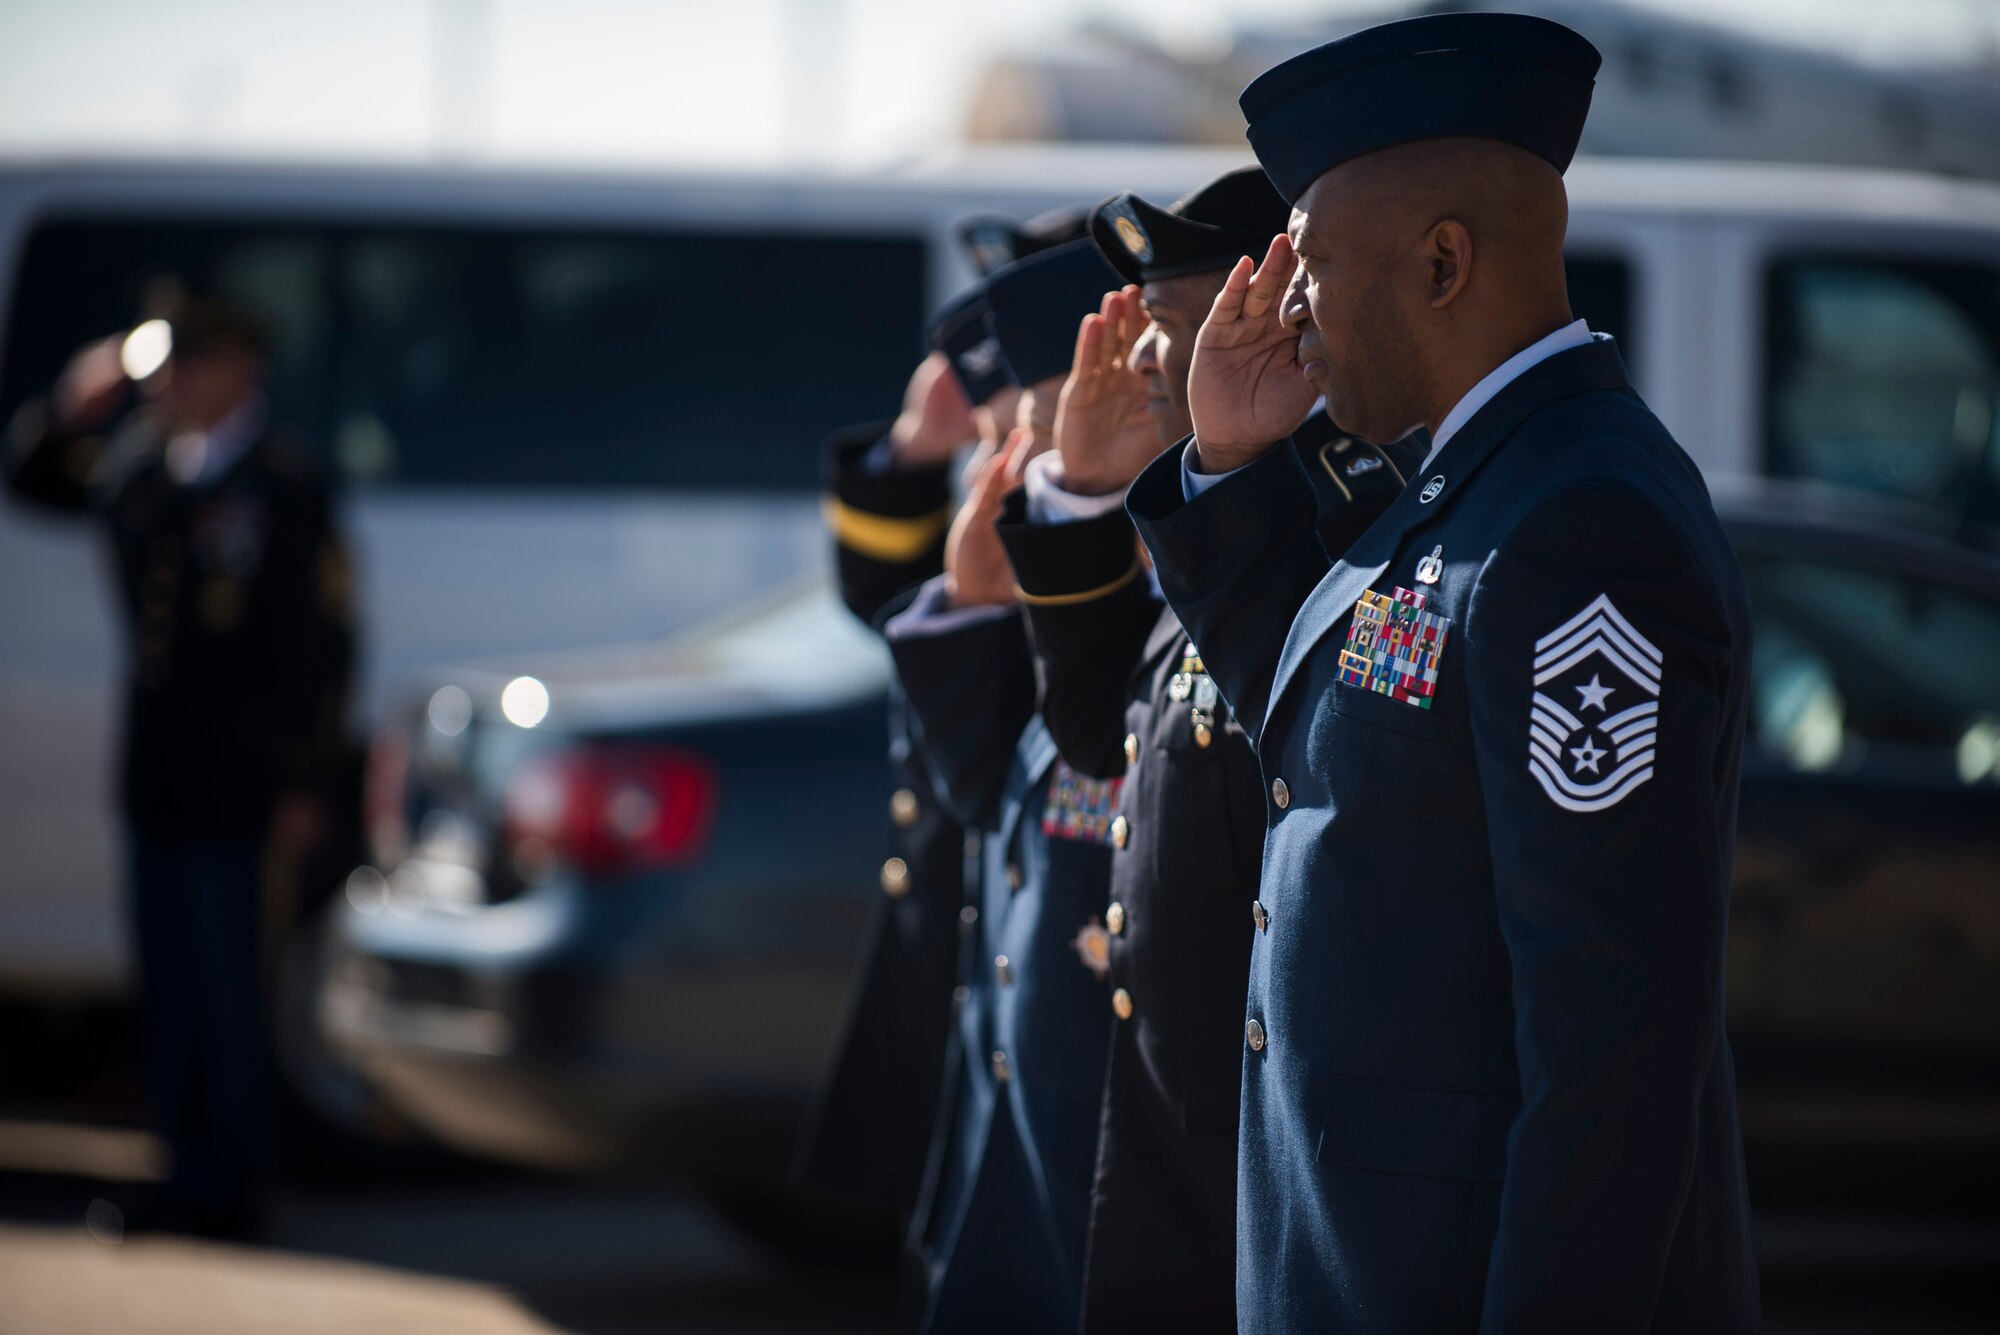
(1448, 262)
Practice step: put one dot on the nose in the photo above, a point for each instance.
(1294, 310)
(1145, 358)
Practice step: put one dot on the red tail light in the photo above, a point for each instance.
(384, 794)
(611, 809)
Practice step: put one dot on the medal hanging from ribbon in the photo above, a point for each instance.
(1193, 683)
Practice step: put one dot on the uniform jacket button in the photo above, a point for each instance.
(1114, 918)
(1281, 793)
(1121, 832)
(895, 878)
(1255, 1033)
(1121, 1003)
(959, 996)
(1261, 916)
(1002, 1071)
(968, 918)
(903, 808)
(1003, 969)
(1131, 748)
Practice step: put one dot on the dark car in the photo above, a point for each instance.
(620, 930)
(619, 895)
(1864, 953)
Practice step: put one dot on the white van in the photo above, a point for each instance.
(577, 410)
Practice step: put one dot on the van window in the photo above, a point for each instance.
(518, 357)
(1600, 292)
(1885, 376)
(1868, 669)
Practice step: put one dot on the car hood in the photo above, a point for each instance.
(800, 650)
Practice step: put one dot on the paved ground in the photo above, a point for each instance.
(482, 1253)
(491, 1253)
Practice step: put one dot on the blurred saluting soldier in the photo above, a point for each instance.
(1485, 1084)
(1004, 1230)
(1125, 694)
(888, 504)
(234, 588)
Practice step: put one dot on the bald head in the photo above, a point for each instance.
(1421, 268)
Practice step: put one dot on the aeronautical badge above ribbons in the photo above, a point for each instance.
(1079, 807)
(1394, 647)
(1596, 709)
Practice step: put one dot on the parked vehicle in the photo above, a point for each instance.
(620, 893)
(1864, 951)
(560, 970)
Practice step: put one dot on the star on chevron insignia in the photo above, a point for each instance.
(1595, 693)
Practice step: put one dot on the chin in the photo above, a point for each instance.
(1346, 416)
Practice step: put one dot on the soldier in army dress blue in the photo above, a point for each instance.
(1007, 1215)
(888, 502)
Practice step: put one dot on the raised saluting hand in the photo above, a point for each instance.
(935, 419)
(1245, 389)
(976, 570)
(1102, 431)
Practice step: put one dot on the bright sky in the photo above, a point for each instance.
(763, 81)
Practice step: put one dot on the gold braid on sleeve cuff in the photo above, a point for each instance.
(1086, 596)
(884, 537)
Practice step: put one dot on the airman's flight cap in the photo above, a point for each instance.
(963, 332)
(1038, 303)
(1524, 81)
(1234, 215)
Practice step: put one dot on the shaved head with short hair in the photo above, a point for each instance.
(1420, 269)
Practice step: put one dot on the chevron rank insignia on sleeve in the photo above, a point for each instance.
(1596, 709)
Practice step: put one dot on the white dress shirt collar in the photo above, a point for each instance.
(1572, 335)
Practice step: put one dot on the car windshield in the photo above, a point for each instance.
(1861, 668)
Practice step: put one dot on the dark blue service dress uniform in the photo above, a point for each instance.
(1007, 1208)
(1485, 1081)
(1125, 696)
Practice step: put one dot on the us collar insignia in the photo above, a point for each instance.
(1125, 222)
(1431, 490)
(1394, 647)
(1079, 807)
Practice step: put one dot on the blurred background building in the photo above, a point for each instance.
(864, 82)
